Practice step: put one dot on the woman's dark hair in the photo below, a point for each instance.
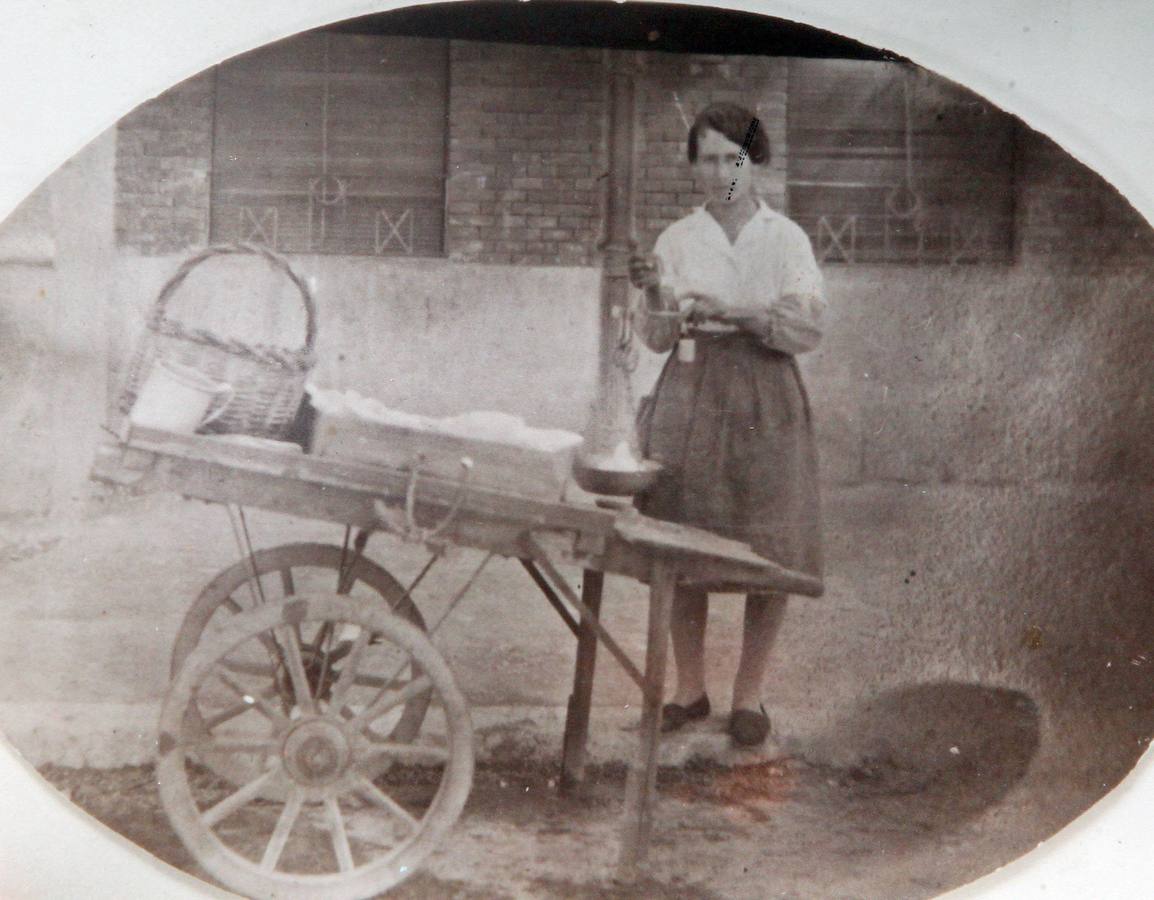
(733, 122)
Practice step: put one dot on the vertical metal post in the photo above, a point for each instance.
(617, 244)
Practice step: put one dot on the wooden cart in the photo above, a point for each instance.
(324, 715)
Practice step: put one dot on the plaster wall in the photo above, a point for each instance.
(55, 273)
(426, 336)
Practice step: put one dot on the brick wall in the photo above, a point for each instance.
(526, 146)
(162, 170)
(525, 150)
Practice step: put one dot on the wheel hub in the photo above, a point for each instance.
(316, 753)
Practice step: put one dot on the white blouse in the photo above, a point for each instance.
(770, 266)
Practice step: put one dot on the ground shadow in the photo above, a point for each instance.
(959, 747)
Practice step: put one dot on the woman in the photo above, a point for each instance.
(734, 285)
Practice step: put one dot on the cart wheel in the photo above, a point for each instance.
(288, 571)
(331, 827)
(285, 571)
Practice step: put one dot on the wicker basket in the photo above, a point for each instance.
(268, 382)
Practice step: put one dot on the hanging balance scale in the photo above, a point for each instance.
(610, 460)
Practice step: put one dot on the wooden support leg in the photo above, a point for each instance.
(642, 781)
(577, 718)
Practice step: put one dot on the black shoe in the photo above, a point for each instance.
(674, 715)
(748, 728)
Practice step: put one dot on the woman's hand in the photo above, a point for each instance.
(704, 306)
(751, 319)
(643, 272)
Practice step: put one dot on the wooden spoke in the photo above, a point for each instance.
(409, 753)
(376, 681)
(348, 674)
(280, 834)
(257, 670)
(290, 640)
(386, 702)
(286, 581)
(265, 693)
(226, 715)
(341, 846)
(270, 645)
(236, 800)
(323, 641)
(331, 658)
(374, 794)
(251, 699)
(263, 746)
(235, 608)
(252, 668)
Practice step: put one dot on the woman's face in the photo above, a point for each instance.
(722, 169)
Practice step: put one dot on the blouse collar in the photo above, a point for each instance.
(763, 211)
(711, 226)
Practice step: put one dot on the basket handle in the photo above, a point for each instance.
(156, 318)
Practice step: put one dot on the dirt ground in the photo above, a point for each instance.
(774, 825)
(783, 829)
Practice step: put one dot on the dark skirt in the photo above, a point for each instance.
(734, 432)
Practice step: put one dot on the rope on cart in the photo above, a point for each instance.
(404, 523)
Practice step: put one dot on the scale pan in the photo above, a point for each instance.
(616, 482)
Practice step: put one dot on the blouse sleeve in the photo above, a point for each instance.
(795, 318)
(657, 321)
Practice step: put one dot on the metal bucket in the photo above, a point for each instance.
(178, 398)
